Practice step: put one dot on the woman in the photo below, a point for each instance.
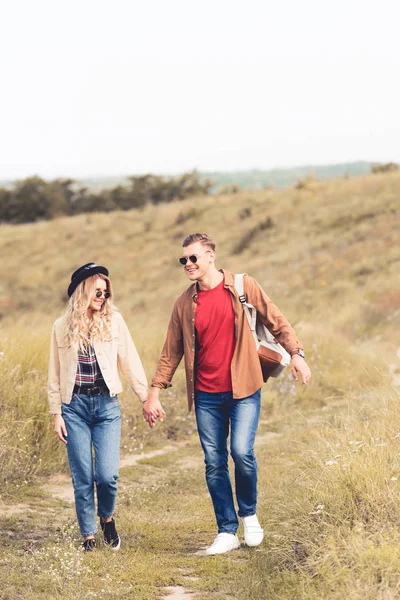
(87, 344)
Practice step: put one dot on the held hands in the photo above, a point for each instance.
(300, 367)
(60, 429)
(152, 409)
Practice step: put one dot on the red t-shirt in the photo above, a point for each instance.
(215, 339)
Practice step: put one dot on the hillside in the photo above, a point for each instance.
(325, 253)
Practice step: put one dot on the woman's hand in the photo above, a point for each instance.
(60, 429)
(152, 409)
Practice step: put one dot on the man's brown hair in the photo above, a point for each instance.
(203, 238)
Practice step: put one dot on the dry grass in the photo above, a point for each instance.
(333, 517)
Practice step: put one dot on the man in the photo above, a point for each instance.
(224, 378)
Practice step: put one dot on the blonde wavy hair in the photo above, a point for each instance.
(78, 325)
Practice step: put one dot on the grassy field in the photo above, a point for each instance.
(329, 255)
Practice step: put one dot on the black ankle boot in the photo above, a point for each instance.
(111, 537)
(89, 545)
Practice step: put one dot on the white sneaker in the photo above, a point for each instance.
(253, 534)
(224, 542)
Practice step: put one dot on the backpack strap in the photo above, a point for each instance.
(249, 309)
(239, 287)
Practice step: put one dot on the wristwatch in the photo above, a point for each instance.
(298, 351)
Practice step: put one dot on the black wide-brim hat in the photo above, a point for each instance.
(83, 273)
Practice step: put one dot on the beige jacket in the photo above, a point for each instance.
(118, 351)
(245, 366)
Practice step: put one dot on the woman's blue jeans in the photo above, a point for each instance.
(93, 422)
(215, 414)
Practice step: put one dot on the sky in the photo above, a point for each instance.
(98, 88)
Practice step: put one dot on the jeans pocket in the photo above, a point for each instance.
(72, 404)
(111, 404)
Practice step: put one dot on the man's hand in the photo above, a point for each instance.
(299, 366)
(152, 409)
(60, 429)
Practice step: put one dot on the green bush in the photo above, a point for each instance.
(35, 199)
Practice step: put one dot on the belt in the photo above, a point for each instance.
(97, 390)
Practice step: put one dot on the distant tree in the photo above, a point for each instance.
(143, 189)
(385, 168)
(33, 199)
(122, 197)
(229, 188)
(152, 189)
(88, 202)
(68, 188)
(4, 205)
(192, 185)
(160, 189)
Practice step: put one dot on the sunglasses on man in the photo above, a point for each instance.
(193, 258)
(99, 294)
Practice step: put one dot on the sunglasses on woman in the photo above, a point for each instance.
(193, 259)
(99, 294)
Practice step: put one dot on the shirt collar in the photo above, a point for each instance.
(228, 282)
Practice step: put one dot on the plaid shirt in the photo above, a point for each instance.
(88, 372)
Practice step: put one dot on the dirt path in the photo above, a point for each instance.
(60, 485)
(178, 593)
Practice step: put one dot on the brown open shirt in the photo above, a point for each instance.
(245, 366)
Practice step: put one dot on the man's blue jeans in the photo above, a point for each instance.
(93, 421)
(214, 414)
